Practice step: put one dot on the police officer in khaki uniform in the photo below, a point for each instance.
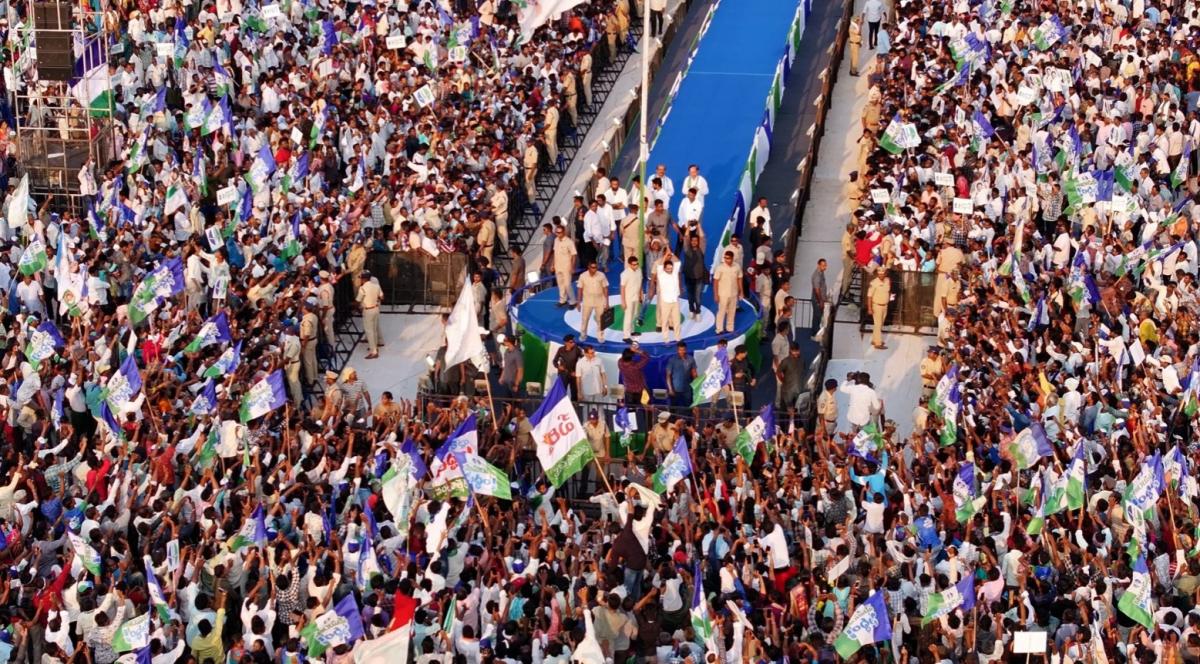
(931, 371)
(308, 344)
(849, 260)
(855, 42)
(325, 305)
(356, 260)
(727, 287)
(370, 295)
(291, 355)
(879, 293)
(593, 295)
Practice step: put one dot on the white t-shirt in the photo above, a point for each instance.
(668, 285)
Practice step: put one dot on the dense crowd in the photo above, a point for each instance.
(183, 483)
(1040, 158)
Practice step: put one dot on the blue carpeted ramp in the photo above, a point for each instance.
(721, 116)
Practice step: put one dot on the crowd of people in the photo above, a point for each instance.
(1040, 159)
(183, 483)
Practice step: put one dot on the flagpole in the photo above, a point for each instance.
(487, 381)
(604, 476)
(483, 515)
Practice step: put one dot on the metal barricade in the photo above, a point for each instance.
(414, 279)
(911, 310)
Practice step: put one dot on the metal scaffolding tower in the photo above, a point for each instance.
(62, 54)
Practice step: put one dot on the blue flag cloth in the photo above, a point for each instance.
(985, 128)
(419, 469)
(205, 402)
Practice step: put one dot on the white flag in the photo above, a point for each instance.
(463, 332)
(18, 204)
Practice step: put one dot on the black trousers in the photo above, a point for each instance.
(656, 23)
(873, 34)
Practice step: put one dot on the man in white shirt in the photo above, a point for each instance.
(598, 228)
(863, 400)
(667, 281)
(690, 208)
(696, 181)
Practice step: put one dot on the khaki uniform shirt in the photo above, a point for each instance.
(879, 292)
(727, 278)
(564, 253)
(370, 294)
(593, 287)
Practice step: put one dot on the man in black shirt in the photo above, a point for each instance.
(695, 274)
(743, 375)
(565, 360)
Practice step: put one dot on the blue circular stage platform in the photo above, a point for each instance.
(544, 324)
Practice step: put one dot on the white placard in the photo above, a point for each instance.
(1136, 352)
(1057, 80)
(458, 54)
(395, 41)
(1026, 96)
(271, 11)
(838, 570)
(297, 136)
(632, 414)
(943, 179)
(880, 196)
(1029, 643)
(164, 49)
(173, 555)
(227, 195)
(964, 205)
(325, 69)
(214, 238)
(117, 48)
(1120, 201)
(423, 95)
(220, 285)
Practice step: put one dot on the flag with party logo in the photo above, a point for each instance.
(866, 443)
(215, 330)
(759, 429)
(342, 625)
(1077, 477)
(133, 634)
(85, 554)
(124, 386)
(482, 477)
(1137, 602)
(445, 476)
(1030, 445)
(176, 198)
(265, 396)
(1143, 492)
(966, 499)
(958, 596)
(675, 466)
(892, 139)
(226, 364)
(562, 446)
(253, 531)
(868, 624)
(33, 258)
(715, 377)
(44, 342)
(702, 623)
(158, 601)
(205, 402)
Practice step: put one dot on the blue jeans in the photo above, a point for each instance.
(694, 288)
(633, 582)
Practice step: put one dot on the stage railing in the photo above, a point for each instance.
(412, 279)
(912, 309)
